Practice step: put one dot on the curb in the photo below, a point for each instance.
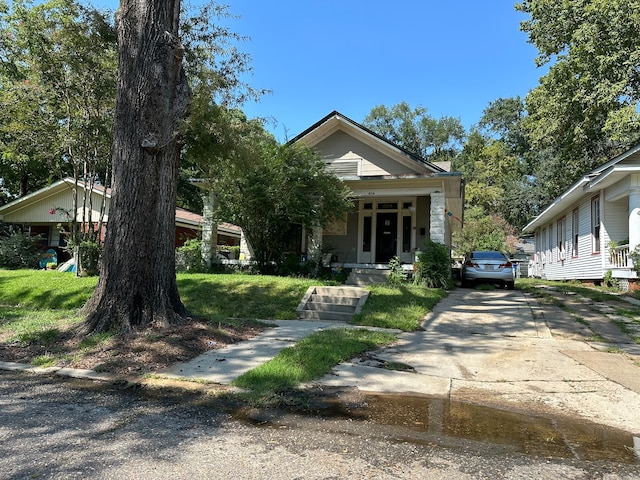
(61, 371)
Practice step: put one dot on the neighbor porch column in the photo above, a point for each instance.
(209, 228)
(437, 220)
(634, 213)
(314, 250)
(246, 252)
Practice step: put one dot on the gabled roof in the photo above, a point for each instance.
(336, 121)
(182, 216)
(597, 179)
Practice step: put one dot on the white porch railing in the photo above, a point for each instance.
(620, 257)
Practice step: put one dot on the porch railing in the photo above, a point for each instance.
(620, 257)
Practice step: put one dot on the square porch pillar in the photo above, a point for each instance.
(209, 229)
(437, 227)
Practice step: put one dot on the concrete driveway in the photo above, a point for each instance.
(503, 348)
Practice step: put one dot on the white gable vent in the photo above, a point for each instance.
(344, 168)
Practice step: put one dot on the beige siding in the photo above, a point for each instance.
(59, 202)
(342, 147)
(344, 247)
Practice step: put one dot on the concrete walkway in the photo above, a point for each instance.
(226, 364)
(503, 348)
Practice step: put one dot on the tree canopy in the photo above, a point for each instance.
(418, 132)
(58, 77)
(266, 188)
(585, 109)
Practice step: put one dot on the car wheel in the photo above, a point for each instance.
(510, 285)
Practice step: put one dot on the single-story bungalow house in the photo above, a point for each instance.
(401, 199)
(590, 229)
(46, 213)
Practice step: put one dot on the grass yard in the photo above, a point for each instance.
(310, 358)
(401, 307)
(39, 312)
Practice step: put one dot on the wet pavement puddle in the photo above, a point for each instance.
(423, 419)
(532, 435)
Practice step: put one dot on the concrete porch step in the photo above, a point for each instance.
(367, 276)
(332, 303)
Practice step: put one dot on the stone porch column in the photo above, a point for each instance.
(209, 229)
(437, 227)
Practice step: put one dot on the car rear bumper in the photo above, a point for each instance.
(473, 274)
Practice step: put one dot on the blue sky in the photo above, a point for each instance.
(452, 57)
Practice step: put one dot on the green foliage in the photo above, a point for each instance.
(416, 131)
(19, 250)
(189, 257)
(285, 185)
(58, 80)
(634, 255)
(396, 273)
(89, 253)
(483, 232)
(433, 266)
(585, 109)
(609, 281)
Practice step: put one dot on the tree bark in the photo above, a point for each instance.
(137, 284)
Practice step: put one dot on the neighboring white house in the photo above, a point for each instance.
(401, 199)
(590, 229)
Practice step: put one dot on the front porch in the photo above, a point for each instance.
(622, 266)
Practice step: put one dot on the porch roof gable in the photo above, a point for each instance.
(336, 121)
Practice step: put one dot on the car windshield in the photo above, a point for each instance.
(488, 256)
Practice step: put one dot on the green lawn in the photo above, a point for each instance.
(38, 306)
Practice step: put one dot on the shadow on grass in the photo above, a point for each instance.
(401, 307)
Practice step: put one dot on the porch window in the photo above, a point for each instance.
(366, 234)
(560, 238)
(406, 233)
(388, 206)
(575, 222)
(595, 224)
(543, 245)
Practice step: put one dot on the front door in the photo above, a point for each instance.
(386, 236)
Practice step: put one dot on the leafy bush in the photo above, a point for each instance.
(19, 250)
(433, 266)
(396, 274)
(189, 257)
(635, 256)
(89, 255)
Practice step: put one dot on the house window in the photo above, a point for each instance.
(543, 245)
(366, 234)
(575, 222)
(550, 243)
(560, 238)
(595, 224)
(388, 206)
(406, 233)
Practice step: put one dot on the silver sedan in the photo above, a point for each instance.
(487, 267)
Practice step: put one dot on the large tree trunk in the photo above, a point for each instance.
(137, 284)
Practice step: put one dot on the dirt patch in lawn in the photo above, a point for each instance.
(143, 351)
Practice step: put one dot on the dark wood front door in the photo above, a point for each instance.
(386, 236)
